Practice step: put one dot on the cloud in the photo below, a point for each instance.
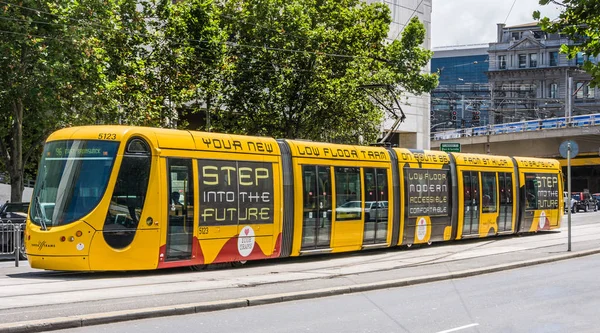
(461, 22)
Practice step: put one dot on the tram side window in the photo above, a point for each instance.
(348, 194)
(531, 191)
(128, 197)
(488, 198)
(129, 194)
(505, 180)
(541, 191)
(427, 192)
(235, 192)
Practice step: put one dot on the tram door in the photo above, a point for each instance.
(180, 229)
(506, 201)
(316, 226)
(471, 203)
(376, 206)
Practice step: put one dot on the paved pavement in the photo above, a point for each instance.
(35, 301)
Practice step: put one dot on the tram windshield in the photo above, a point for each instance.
(71, 180)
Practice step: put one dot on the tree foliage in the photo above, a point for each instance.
(290, 69)
(45, 78)
(579, 20)
(295, 68)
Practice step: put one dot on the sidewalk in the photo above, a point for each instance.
(34, 301)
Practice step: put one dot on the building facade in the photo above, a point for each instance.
(462, 98)
(414, 132)
(530, 79)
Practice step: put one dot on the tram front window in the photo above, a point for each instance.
(71, 180)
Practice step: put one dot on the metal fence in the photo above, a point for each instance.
(522, 126)
(11, 241)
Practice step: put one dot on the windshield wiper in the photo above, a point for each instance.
(41, 213)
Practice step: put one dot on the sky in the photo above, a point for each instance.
(461, 22)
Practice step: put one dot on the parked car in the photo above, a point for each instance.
(352, 210)
(585, 201)
(12, 213)
(596, 197)
(570, 202)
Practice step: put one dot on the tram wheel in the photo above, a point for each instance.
(428, 242)
(239, 263)
(198, 267)
(409, 245)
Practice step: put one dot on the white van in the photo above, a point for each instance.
(570, 202)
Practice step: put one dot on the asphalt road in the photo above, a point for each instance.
(556, 297)
(30, 298)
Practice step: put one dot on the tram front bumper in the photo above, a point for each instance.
(59, 248)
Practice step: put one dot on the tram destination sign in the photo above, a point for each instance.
(450, 147)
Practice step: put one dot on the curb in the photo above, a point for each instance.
(59, 323)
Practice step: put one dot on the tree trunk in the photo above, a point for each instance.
(15, 167)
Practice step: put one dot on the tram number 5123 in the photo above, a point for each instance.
(107, 136)
(203, 230)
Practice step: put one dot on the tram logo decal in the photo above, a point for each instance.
(542, 221)
(42, 244)
(246, 241)
(421, 229)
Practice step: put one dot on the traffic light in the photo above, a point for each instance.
(453, 115)
(475, 119)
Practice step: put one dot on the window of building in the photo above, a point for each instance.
(522, 60)
(516, 35)
(553, 58)
(583, 90)
(502, 62)
(579, 59)
(553, 90)
(579, 89)
(532, 60)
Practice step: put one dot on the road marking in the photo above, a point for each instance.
(459, 328)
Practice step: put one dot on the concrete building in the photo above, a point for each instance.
(529, 78)
(414, 131)
(462, 98)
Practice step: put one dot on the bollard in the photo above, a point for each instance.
(17, 243)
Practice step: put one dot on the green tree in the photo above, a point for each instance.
(44, 78)
(579, 20)
(67, 63)
(71, 63)
(187, 56)
(295, 68)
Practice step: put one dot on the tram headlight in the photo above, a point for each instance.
(71, 239)
(63, 238)
(78, 233)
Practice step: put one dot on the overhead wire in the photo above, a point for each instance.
(408, 20)
(510, 11)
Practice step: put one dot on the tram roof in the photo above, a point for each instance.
(537, 163)
(422, 156)
(337, 151)
(174, 139)
(483, 160)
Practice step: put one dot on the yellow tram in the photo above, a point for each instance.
(136, 198)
